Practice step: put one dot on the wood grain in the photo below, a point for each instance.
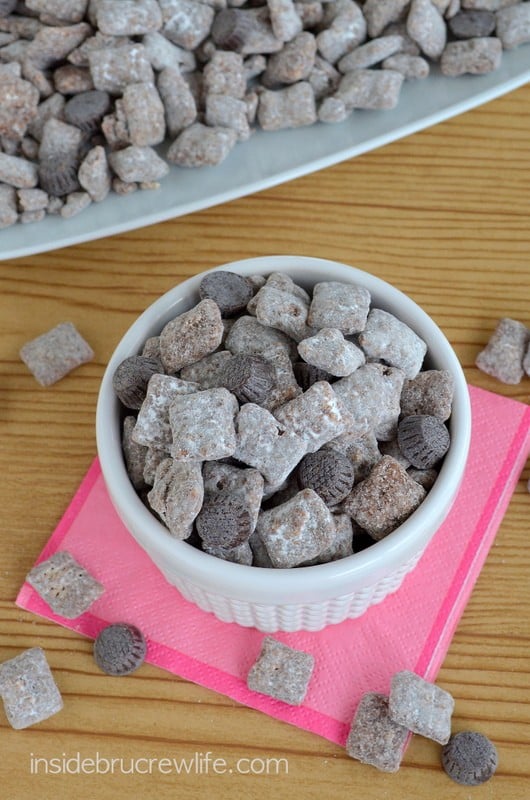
(444, 215)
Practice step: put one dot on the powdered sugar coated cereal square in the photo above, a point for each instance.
(28, 690)
(54, 354)
(281, 672)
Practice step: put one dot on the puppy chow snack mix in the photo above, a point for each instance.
(281, 672)
(28, 690)
(421, 706)
(469, 758)
(246, 450)
(374, 737)
(54, 354)
(503, 357)
(119, 649)
(202, 76)
(64, 585)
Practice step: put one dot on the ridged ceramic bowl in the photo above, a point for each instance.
(306, 598)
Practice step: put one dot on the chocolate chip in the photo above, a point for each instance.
(223, 522)
(471, 24)
(230, 29)
(328, 473)
(119, 649)
(58, 176)
(249, 377)
(469, 758)
(231, 292)
(86, 109)
(131, 378)
(423, 440)
(306, 374)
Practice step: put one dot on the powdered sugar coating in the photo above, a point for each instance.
(385, 499)
(317, 416)
(191, 336)
(177, 495)
(281, 672)
(421, 706)
(28, 690)
(202, 425)
(329, 350)
(297, 530)
(152, 425)
(374, 738)
(64, 585)
(386, 337)
(54, 354)
(263, 443)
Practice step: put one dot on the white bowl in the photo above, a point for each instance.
(307, 598)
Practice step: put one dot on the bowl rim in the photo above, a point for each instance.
(249, 581)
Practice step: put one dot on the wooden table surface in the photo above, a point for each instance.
(444, 215)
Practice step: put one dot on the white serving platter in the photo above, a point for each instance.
(268, 159)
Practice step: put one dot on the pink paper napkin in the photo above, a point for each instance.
(411, 629)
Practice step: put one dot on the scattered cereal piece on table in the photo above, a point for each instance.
(119, 649)
(281, 672)
(526, 360)
(28, 689)
(502, 358)
(374, 738)
(421, 706)
(54, 354)
(469, 758)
